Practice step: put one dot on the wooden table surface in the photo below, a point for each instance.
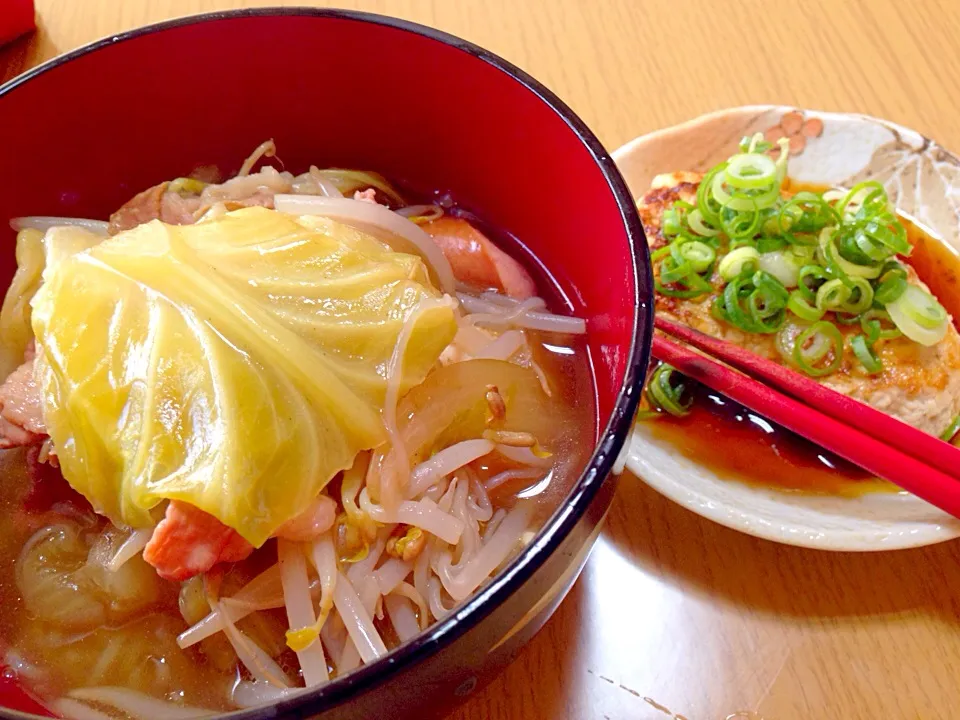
(673, 611)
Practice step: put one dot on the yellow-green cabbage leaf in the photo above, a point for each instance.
(237, 364)
(33, 248)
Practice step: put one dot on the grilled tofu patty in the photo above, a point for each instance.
(918, 385)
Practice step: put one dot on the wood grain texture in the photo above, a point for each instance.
(696, 618)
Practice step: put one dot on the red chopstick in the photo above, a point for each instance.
(895, 433)
(915, 476)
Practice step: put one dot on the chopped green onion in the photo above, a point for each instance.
(806, 213)
(784, 265)
(730, 309)
(842, 318)
(866, 355)
(810, 254)
(872, 323)
(680, 263)
(856, 247)
(801, 307)
(756, 303)
(738, 261)
(697, 254)
(790, 214)
(870, 230)
(851, 297)
(892, 283)
(770, 243)
(832, 295)
(853, 200)
(888, 232)
(743, 242)
(803, 240)
(740, 225)
(919, 316)
(670, 222)
(754, 143)
(809, 279)
(838, 265)
(697, 224)
(672, 271)
(660, 253)
(707, 205)
(770, 297)
(744, 200)
(750, 171)
(861, 297)
(873, 241)
(690, 286)
(814, 344)
(666, 390)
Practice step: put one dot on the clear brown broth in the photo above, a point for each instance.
(66, 661)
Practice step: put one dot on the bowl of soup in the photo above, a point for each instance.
(322, 336)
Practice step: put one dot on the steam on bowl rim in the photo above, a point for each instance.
(612, 439)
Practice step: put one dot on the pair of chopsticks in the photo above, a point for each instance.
(919, 463)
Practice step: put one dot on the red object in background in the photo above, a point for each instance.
(16, 18)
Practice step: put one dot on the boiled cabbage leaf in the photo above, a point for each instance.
(33, 247)
(15, 331)
(237, 364)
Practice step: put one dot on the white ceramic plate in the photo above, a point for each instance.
(923, 180)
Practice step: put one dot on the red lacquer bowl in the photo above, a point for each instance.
(86, 131)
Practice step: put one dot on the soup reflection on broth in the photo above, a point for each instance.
(259, 432)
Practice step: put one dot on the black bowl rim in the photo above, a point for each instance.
(612, 440)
